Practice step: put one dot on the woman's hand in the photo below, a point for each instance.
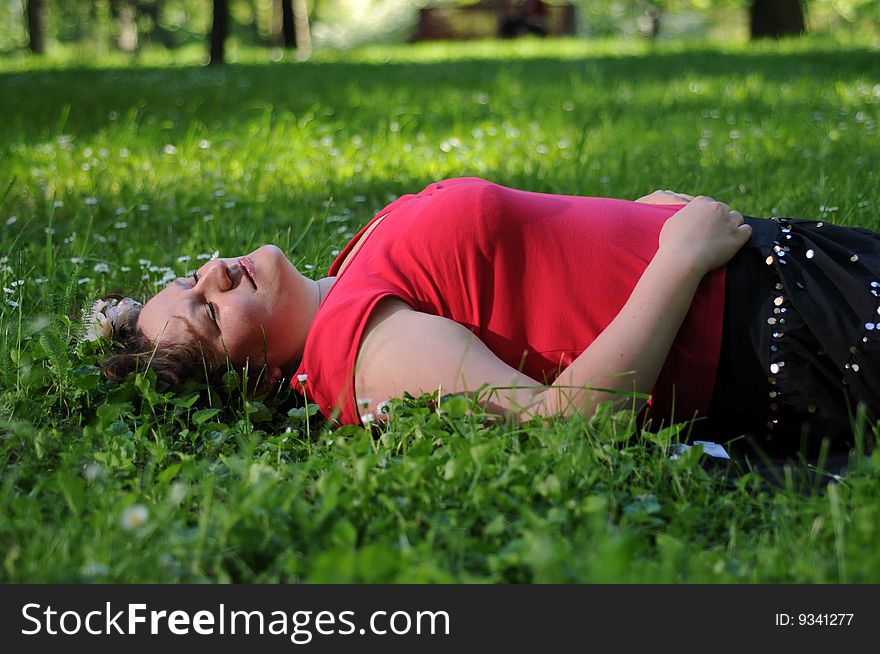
(666, 197)
(704, 234)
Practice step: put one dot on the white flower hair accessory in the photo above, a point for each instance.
(101, 319)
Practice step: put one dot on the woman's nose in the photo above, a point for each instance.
(216, 275)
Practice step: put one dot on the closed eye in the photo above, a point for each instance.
(212, 312)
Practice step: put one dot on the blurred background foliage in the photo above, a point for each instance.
(88, 28)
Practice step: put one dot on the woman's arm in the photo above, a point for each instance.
(405, 350)
(665, 197)
(630, 352)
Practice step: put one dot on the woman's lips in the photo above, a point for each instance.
(247, 265)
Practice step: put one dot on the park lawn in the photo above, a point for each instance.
(115, 177)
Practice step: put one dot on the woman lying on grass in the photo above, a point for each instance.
(547, 305)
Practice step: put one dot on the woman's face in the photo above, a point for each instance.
(242, 306)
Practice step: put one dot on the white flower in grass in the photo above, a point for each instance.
(120, 225)
(229, 205)
(134, 516)
(125, 268)
(177, 493)
(8, 290)
(204, 256)
(204, 144)
(58, 204)
(183, 259)
(12, 303)
(95, 570)
(302, 378)
(364, 401)
(101, 267)
(143, 207)
(368, 418)
(208, 217)
(83, 280)
(169, 149)
(91, 471)
(11, 220)
(49, 230)
(123, 152)
(384, 407)
(91, 201)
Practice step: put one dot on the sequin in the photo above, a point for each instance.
(874, 284)
(799, 285)
(811, 408)
(779, 287)
(809, 254)
(854, 258)
(777, 310)
(769, 260)
(771, 321)
(778, 301)
(870, 326)
(773, 394)
(774, 368)
(819, 224)
(855, 367)
(853, 349)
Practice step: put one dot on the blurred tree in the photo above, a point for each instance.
(302, 33)
(288, 29)
(36, 23)
(124, 14)
(775, 18)
(219, 31)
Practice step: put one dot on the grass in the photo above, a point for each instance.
(112, 175)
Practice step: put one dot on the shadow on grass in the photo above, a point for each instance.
(369, 92)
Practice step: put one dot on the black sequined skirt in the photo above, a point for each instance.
(800, 354)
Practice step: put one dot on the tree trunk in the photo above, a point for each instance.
(301, 27)
(219, 31)
(124, 16)
(288, 29)
(36, 24)
(776, 18)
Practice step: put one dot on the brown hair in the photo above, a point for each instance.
(172, 363)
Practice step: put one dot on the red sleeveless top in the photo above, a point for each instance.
(536, 277)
